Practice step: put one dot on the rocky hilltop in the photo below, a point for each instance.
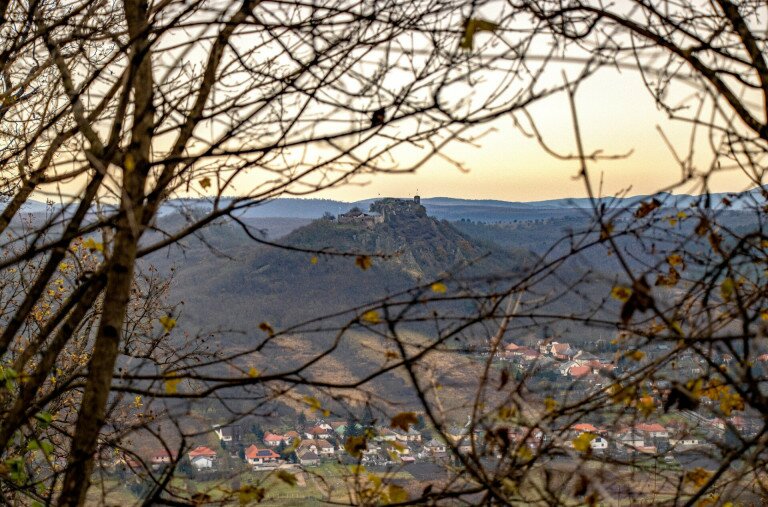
(264, 283)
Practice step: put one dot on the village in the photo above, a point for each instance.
(682, 438)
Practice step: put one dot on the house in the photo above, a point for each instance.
(684, 441)
(434, 447)
(256, 456)
(386, 435)
(630, 437)
(565, 367)
(456, 433)
(559, 350)
(228, 433)
(308, 458)
(584, 358)
(161, 458)
(598, 443)
(325, 449)
(652, 430)
(291, 436)
(412, 435)
(586, 428)
(273, 439)
(522, 354)
(318, 432)
(322, 448)
(579, 371)
(202, 458)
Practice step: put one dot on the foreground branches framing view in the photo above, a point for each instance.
(158, 347)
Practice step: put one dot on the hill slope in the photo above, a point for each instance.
(284, 287)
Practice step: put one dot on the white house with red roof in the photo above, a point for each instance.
(202, 457)
(256, 456)
(652, 430)
(318, 432)
(273, 439)
(598, 443)
(321, 447)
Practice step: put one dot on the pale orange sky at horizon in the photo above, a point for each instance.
(616, 115)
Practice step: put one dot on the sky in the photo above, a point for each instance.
(616, 114)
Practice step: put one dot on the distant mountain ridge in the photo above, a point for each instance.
(450, 208)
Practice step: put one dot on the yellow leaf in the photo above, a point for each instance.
(396, 494)
(137, 402)
(439, 288)
(583, 441)
(675, 260)
(550, 404)
(249, 493)
(93, 245)
(681, 215)
(730, 401)
(371, 316)
(471, 27)
(646, 406)
(363, 262)
(403, 420)
(172, 383)
(168, 323)
(635, 355)
(697, 476)
(621, 293)
(355, 446)
(205, 182)
(764, 315)
(128, 162)
(286, 477)
(313, 260)
(726, 288)
(314, 403)
(253, 372)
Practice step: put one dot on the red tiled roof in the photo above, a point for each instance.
(584, 427)
(272, 437)
(651, 427)
(579, 371)
(254, 452)
(201, 451)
